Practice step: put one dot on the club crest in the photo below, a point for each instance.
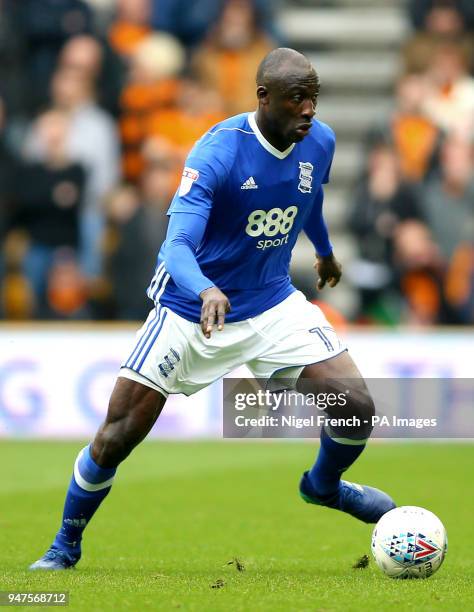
(306, 170)
(169, 363)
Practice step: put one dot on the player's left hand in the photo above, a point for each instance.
(329, 270)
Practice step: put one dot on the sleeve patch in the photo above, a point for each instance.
(189, 176)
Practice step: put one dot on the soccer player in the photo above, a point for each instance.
(222, 296)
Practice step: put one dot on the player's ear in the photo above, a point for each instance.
(262, 94)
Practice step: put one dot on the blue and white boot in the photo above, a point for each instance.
(55, 559)
(365, 503)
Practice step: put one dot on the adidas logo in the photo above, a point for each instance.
(249, 184)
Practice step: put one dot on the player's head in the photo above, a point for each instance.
(287, 91)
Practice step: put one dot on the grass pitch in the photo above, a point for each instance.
(180, 514)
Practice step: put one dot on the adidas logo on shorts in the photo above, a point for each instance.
(249, 184)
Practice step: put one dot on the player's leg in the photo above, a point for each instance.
(298, 335)
(133, 409)
(343, 444)
(336, 375)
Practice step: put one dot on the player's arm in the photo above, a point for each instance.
(185, 233)
(206, 168)
(328, 268)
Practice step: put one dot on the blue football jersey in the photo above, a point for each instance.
(255, 200)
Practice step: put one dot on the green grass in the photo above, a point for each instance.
(178, 512)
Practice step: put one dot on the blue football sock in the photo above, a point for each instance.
(333, 459)
(89, 485)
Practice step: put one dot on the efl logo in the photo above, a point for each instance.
(189, 176)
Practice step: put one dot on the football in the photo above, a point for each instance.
(409, 542)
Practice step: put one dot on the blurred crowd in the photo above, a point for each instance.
(100, 100)
(413, 209)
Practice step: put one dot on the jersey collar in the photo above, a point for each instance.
(264, 142)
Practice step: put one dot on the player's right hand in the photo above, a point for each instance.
(215, 306)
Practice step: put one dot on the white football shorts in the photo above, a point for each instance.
(172, 355)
